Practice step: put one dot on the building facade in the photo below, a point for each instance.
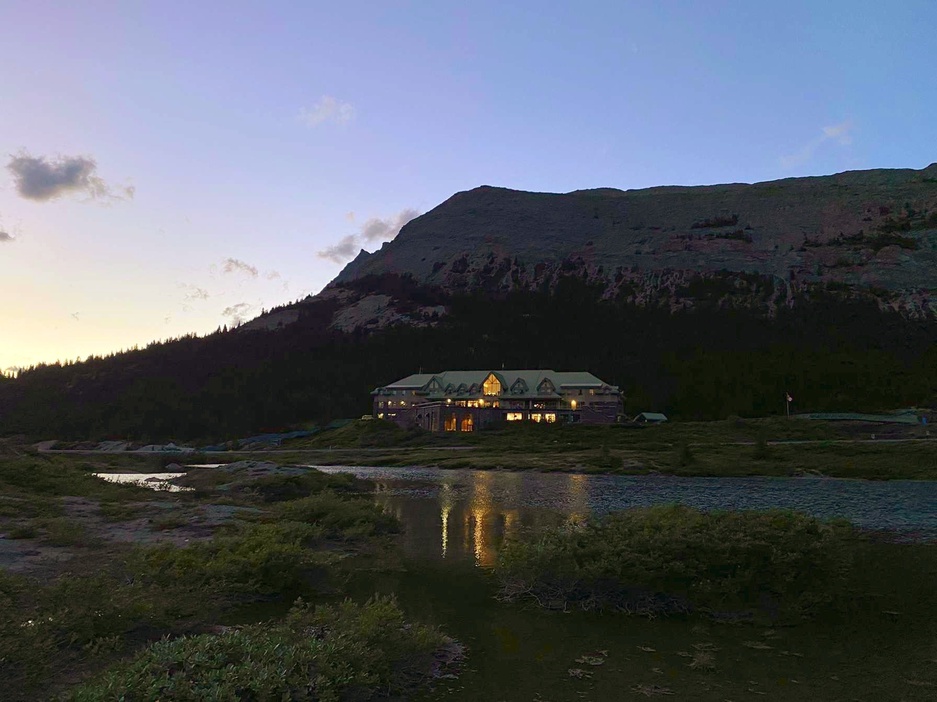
(468, 400)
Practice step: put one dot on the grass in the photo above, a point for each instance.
(119, 618)
(734, 447)
(110, 598)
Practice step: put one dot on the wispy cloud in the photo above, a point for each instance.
(840, 134)
(40, 179)
(6, 237)
(234, 265)
(328, 109)
(345, 250)
(236, 314)
(375, 229)
(194, 292)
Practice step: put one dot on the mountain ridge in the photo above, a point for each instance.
(863, 233)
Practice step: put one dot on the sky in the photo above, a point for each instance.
(170, 167)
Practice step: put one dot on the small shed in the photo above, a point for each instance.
(651, 418)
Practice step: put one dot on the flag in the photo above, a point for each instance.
(788, 396)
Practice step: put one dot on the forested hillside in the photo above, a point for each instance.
(829, 352)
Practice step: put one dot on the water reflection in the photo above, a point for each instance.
(155, 481)
(466, 515)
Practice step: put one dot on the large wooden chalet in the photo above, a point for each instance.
(467, 400)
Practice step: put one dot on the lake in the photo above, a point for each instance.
(464, 515)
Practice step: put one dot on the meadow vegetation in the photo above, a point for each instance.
(731, 604)
(327, 653)
(733, 447)
(94, 601)
(678, 560)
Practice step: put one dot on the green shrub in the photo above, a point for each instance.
(260, 558)
(44, 626)
(676, 559)
(340, 517)
(605, 460)
(63, 531)
(118, 511)
(328, 654)
(762, 452)
(685, 455)
(280, 488)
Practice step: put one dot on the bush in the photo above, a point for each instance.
(42, 628)
(676, 559)
(260, 558)
(328, 654)
(340, 517)
(280, 488)
(685, 456)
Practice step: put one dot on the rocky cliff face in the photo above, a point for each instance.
(860, 233)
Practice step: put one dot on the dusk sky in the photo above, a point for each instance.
(169, 167)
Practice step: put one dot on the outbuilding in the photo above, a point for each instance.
(651, 418)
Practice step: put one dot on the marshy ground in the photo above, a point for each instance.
(92, 574)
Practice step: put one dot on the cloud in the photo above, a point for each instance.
(345, 250)
(41, 179)
(6, 238)
(328, 109)
(193, 292)
(272, 275)
(840, 133)
(234, 265)
(236, 313)
(375, 229)
(386, 229)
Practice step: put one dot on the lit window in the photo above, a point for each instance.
(536, 417)
(381, 403)
(515, 416)
(450, 423)
(549, 417)
(491, 386)
(592, 392)
(467, 423)
(380, 415)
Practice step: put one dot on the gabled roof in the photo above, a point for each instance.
(450, 381)
(411, 382)
(653, 416)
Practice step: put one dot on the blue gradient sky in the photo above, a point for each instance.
(268, 132)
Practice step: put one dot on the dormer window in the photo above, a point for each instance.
(491, 386)
(518, 387)
(546, 387)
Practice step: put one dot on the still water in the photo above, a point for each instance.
(466, 514)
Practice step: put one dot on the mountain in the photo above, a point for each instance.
(700, 301)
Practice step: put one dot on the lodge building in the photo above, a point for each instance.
(466, 400)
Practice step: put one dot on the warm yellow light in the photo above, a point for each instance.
(449, 401)
(573, 403)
